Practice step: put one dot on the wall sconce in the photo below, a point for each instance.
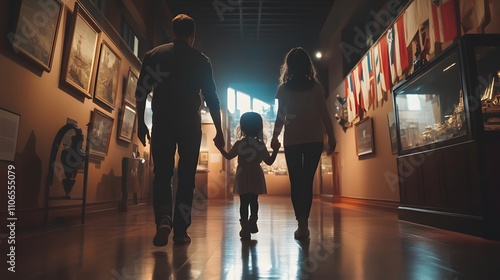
(342, 115)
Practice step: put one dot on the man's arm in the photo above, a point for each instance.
(141, 94)
(208, 91)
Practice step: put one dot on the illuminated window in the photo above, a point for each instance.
(260, 106)
(243, 102)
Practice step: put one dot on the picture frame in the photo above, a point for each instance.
(130, 88)
(392, 132)
(107, 76)
(364, 137)
(79, 56)
(34, 34)
(9, 131)
(203, 160)
(127, 123)
(100, 133)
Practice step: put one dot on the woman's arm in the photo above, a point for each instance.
(280, 121)
(327, 122)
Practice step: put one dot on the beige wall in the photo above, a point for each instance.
(374, 176)
(365, 177)
(44, 106)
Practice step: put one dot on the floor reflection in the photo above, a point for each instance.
(347, 242)
(162, 269)
(249, 259)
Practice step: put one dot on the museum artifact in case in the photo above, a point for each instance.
(447, 116)
(430, 107)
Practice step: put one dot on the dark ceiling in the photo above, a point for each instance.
(257, 20)
(247, 39)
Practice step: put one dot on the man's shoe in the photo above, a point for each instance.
(161, 236)
(182, 238)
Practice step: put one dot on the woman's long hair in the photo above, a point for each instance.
(297, 70)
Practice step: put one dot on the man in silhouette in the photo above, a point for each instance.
(176, 74)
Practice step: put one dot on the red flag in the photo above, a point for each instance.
(358, 96)
(402, 59)
(385, 66)
(444, 21)
(351, 97)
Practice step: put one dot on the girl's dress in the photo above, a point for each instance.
(249, 175)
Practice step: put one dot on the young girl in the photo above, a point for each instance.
(249, 180)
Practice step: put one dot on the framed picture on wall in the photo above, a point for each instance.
(127, 123)
(35, 31)
(203, 160)
(100, 133)
(9, 130)
(364, 137)
(81, 48)
(108, 74)
(130, 88)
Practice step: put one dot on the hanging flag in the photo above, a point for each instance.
(472, 14)
(351, 100)
(415, 16)
(392, 54)
(358, 87)
(398, 53)
(385, 66)
(371, 73)
(402, 59)
(443, 23)
(367, 80)
(382, 68)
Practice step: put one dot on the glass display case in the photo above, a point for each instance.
(429, 108)
(488, 68)
(447, 117)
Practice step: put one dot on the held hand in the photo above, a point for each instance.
(142, 133)
(275, 144)
(219, 141)
(332, 144)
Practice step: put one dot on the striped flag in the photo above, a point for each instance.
(443, 22)
(357, 74)
(402, 59)
(351, 99)
(392, 54)
(398, 53)
(381, 68)
(367, 80)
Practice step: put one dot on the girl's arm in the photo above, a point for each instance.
(228, 155)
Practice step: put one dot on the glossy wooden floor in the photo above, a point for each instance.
(347, 242)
